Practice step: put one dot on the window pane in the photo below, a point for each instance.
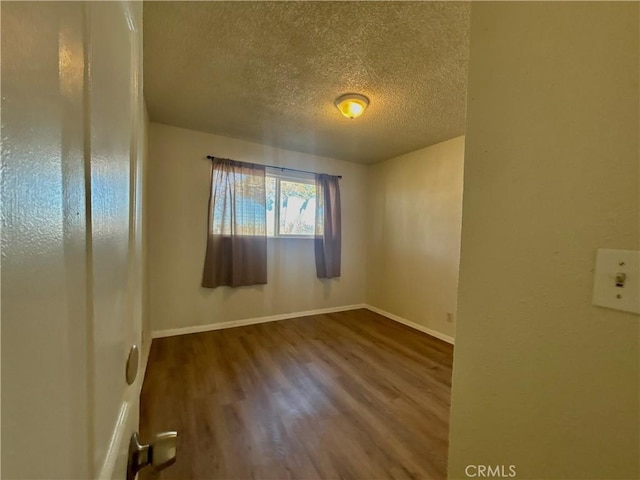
(271, 205)
(238, 204)
(297, 208)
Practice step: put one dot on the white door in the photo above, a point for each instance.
(72, 126)
(115, 131)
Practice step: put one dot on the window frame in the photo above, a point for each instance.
(279, 176)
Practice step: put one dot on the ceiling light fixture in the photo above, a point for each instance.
(351, 105)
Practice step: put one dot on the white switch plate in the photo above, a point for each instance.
(610, 263)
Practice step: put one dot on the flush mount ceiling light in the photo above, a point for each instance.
(351, 105)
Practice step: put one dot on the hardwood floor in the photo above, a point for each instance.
(349, 395)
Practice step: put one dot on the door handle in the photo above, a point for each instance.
(159, 454)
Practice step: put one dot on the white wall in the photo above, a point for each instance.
(179, 182)
(415, 214)
(543, 379)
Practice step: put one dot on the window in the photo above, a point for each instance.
(291, 206)
(248, 200)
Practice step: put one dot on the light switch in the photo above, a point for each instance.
(617, 280)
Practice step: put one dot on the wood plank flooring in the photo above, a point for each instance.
(350, 395)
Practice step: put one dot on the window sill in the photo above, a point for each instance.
(296, 237)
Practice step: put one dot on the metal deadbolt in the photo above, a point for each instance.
(131, 371)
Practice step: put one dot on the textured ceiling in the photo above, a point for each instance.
(268, 72)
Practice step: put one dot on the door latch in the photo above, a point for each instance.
(159, 454)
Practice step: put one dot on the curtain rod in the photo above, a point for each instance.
(211, 157)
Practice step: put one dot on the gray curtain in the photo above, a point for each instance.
(328, 226)
(237, 236)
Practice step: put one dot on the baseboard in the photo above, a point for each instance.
(250, 321)
(274, 318)
(411, 324)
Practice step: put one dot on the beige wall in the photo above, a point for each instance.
(179, 177)
(415, 213)
(544, 380)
